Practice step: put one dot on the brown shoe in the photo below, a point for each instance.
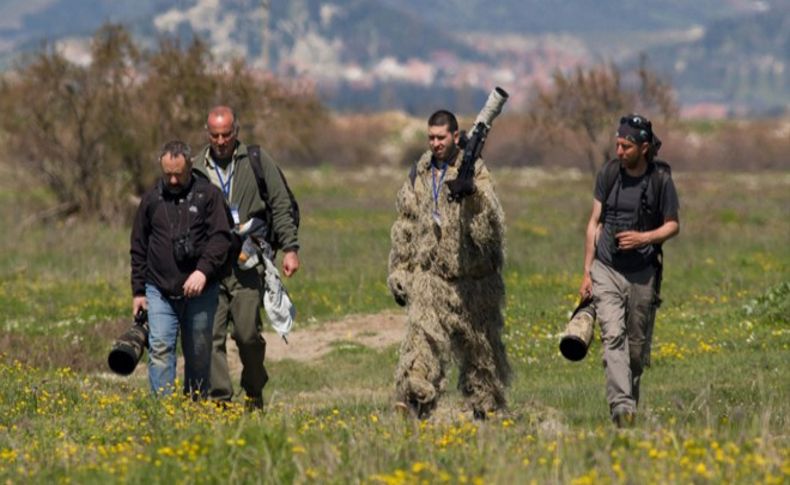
(624, 419)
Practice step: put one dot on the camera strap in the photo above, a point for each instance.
(175, 227)
(617, 186)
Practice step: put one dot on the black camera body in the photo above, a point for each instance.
(183, 248)
(128, 349)
(616, 229)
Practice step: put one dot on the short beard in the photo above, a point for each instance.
(629, 163)
(450, 155)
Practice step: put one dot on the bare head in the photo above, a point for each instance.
(222, 129)
(175, 159)
(443, 135)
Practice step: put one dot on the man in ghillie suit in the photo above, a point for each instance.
(635, 210)
(445, 267)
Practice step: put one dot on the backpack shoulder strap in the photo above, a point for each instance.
(649, 215)
(610, 171)
(254, 154)
(662, 172)
(155, 198)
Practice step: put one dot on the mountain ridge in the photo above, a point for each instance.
(361, 46)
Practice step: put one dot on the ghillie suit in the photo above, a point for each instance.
(445, 266)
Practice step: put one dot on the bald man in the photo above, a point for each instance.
(227, 164)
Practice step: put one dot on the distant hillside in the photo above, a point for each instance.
(26, 23)
(363, 31)
(371, 54)
(743, 61)
(575, 16)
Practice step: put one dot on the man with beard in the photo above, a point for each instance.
(179, 244)
(635, 209)
(446, 267)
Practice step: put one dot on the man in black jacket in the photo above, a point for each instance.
(180, 241)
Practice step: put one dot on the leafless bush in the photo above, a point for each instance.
(729, 145)
(387, 138)
(587, 103)
(91, 132)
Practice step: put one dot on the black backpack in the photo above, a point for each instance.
(658, 171)
(254, 153)
(647, 217)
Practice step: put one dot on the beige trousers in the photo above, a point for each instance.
(625, 304)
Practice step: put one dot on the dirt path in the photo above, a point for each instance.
(309, 344)
(376, 331)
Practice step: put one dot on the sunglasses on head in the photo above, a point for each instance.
(636, 121)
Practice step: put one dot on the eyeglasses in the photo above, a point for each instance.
(638, 122)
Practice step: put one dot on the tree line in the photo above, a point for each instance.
(91, 132)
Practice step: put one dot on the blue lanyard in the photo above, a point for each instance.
(225, 187)
(437, 187)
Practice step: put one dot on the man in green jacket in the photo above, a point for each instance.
(226, 163)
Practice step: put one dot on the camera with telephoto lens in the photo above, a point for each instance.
(578, 334)
(128, 349)
(183, 248)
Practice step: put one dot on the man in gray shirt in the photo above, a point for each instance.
(635, 209)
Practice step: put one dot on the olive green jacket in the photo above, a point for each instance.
(245, 197)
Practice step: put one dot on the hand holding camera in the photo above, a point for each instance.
(627, 240)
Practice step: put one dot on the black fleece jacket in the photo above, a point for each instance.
(162, 217)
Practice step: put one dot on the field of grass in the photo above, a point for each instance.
(715, 401)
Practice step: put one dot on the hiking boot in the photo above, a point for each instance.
(252, 404)
(624, 419)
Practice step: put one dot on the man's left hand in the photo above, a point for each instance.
(631, 240)
(194, 285)
(290, 263)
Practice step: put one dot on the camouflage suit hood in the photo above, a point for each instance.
(449, 275)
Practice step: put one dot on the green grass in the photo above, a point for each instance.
(715, 404)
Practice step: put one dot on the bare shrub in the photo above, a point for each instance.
(92, 132)
(588, 103)
(728, 145)
(59, 117)
(387, 138)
